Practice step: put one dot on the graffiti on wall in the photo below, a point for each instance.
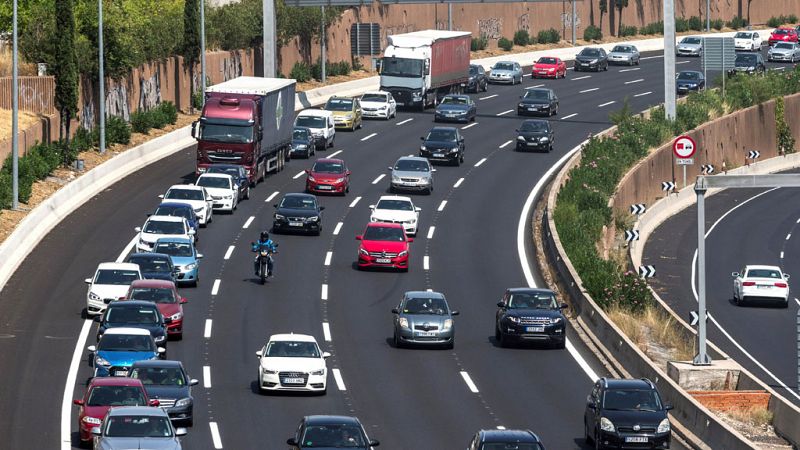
(149, 92)
(231, 67)
(566, 20)
(117, 102)
(491, 27)
(524, 22)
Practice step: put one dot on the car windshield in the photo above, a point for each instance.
(176, 211)
(338, 436)
(229, 170)
(746, 59)
(298, 203)
(310, 121)
(116, 396)
(163, 227)
(127, 314)
(155, 295)
(504, 66)
(214, 182)
(455, 101)
(412, 165)
(292, 349)
(126, 343)
(401, 67)
(159, 376)
(300, 135)
(339, 104)
(537, 94)
(435, 306)
(689, 76)
(473, 70)
(590, 52)
(149, 264)
(441, 135)
(328, 167)
(690, 40)
(764, 273)
(116, 277)
(623, 49)
(547, 61)
(631, 400)
(532, 300)
(384, 234)
(533, 125)
(780, 31)
(379, 98)
(174, 248)
(396, 205)
(511, 446)
(138, 427)
(786, 45)
(226, 133)
(184, 194)
(743, 35)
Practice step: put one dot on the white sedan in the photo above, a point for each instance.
(195, 196)
(396, 209)
(747, 40)
(762, 284)
(158, 227)
(223, 189)
(378, 104)
(292, 362)
(110, 282)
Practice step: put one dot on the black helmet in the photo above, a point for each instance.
(264, 236)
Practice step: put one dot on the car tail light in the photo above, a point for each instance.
(781, 285)
(749, 283)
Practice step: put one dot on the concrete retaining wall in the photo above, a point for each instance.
(738, 400)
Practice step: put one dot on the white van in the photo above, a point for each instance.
(320, 122)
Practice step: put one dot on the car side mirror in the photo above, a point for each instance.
(347, 173)
(191, 232)
(193, 382)
(91, 348)
(161, 196)
(590, 403)
(411, 239)
(374, 443)
(184, 300)
(321, 208)
(308, 170)
(138, 229)
(395, 311)
(96, 431)
(98, 319)
(417, 209)
(181, 431)
(501, 304)
(734, 274)
(455, 313)
(87, 281)
(359, 237)
(433, 170)
(161, 350)
(194, 129)
(292, 441)
(199, 256)
(275, 205)
(78, 402)
(516, 131)
(668, 407)
(520, 96)
(390, 168)
(786, 276)
(259, 353)
(563, 306)
(371, 206)
(155, 402)
(326, 355)
(422, 138)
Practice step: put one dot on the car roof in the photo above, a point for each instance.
(136, 411)
(690, 71)
(502, 436)
(300, 195)
(340, 97)
(538, 89)
(331, 420)
(127, 331)
(528, 290)
(446, 128)
(147, 255)
(755, 266)
(550, 57)
(374, 93)
(114, 381)
(176, 239)
(215, 175)
(131, 304)
(536, 121)
(423, 294)
(158, 363)
(384, 225)
(186, 186)
(174, 204)
(150, 283)
(292, 337)
(628, 383)
(505, 62)
(117, 266)
(167, 218)
(411, 158)
(395, 197)
(315, 113)
(297, 127)
(330, 160)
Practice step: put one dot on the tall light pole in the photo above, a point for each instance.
(102, 80)
(669, 59)
(14, 115)
(203, 51)
(270, 39)
(708, 16)
(322, 58)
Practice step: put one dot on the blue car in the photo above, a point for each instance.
(120, 347)
(184, 257)
(179, 210)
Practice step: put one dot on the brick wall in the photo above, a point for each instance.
(732, 400)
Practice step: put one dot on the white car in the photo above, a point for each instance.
(158, 227)
(761, 284)
(747, 40)
(321, 124)
(223, 189)
(292, 362)
(110, 282)
(396, 209)
(195, 196)
(379, 104)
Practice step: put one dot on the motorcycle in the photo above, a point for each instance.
(264, 261)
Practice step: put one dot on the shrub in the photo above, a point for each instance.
(522, 38)
(628, 30)
(141, 122)
(774, 22)
(479, 43)
(717, 24)
(681, 25)
(505, 44)
(549, 36)
(170, 112)
(357, 64)
(695, 23)
(786, 141)
(592, 33)
(83, 140)
(737, 22)
(653, 28)
(6, 193)
(791, 18)
(117, 131)
(300, 72)
(197, 100)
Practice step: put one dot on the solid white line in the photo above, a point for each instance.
(569, 116)
(326, 331)
(777, 68)
(355, 201)
(788, 236)
(379, 178)
(581, 78)
(72, 375)
(465, 127)
(365, 138)
(506, 143)
(127, 249)
(249, 221)
(271, 196)
(335, 153)
(478, 164)
(630, 70)
(643, 94)
(653, 57)
(458, 183)
(426, 262)
(488, 97)
(686, 62)
(635, 81)
(430, 232)
(229, 252)
(324, 294)
(405, 121)
(299, 174)
(215, 288)
(215, 435)
(588, 90)
(470, 383)
(207, 377)
(328, 257)
(338, 228)
(207, 329)
(535, 86)
(504, 112)
(442, 205)
(337, 375)
(607, 103)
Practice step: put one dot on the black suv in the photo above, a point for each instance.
(444, 144)
(535, 134)
(532, 315)
(591, 58)
(134, 314)
(505, 439)
(750, 63)
(477, 79)
(331, 432)
(167, 381)
(624, 413)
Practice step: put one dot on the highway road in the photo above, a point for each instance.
(407, 398)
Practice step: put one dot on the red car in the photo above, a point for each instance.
(104, 393)
(384, 245)
(165, 295)
(549, 67)
(328, 175)
(783, 35)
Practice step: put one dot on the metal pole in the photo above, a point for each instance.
(798, 351)
(702, 358)
(450, 16)
(268, 17)
(322, 42)
(669, 59)
(203, 51)
(684, 175)
(705, 62)
(574, 20)
(14, 116)
(102, 77)
(708, 16)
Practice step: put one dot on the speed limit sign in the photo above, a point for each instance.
(684, 147)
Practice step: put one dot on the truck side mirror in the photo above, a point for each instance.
(194, 129)
(427, 67)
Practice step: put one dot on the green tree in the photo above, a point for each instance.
(620, 4)
(66, 73)
(602, 5)
(191, 36)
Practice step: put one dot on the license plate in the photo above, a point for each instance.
(383, 260)
(584, 64)
(324, 188)
(121, 373)
(534, 329)
(400, 104)
(764, 286)
(438, 155)
(636, 439)
(293, 381)
(426, 333)
(532, 109)
(295, 224)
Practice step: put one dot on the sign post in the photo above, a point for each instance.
(683, 148)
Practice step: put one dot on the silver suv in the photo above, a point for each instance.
(411, 173)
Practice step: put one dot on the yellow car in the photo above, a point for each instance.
(346, 112)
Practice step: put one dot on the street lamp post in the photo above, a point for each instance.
(203, 51)
(669, 59)
(102, 78)
(14, 116)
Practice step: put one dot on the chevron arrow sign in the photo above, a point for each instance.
(753, 154)
(638, 208)
(667, 186)
(631, 235)
(647, 271)
(707, 169)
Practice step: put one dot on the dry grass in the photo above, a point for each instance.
(6, 63)
(758, 416)
(26, 119)
(655, 332)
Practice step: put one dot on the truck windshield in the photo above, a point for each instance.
(401, 67)
(226, 133)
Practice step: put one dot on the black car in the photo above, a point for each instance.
(624, 413)
(443, 144)
(477, 79)
(455, 108)
(591, 58)
(530, 315)
(154, 266)
(535, 134)
(167, 382)
(303, 144)
(329, 432)
(538, 101)
(298, 212)
(134, 314)
(690, 80)
(749, 63)
(505, 439)
(239, 174)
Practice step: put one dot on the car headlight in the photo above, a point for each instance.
(160, 339)
(550, 69)
(426, 180)
(200, 209)
(341, 180)
(555, 320)
(513, 319)
(92, 420)
(395, 178)
(403, 322)
(300, 146)
(176, 316)
(544, 139)
(191, 266)
(403, 253)
(268, 372)
(663, 427)
(312, 219)
(93, 296)
(318, 372)
(606, 425)
(454, 149)
(412, 221)
(348, 116)
(691, 85)
(312, 179)
(227, 197)
(374, 219)
(594, 61)
(383, 107)
(279, 217)
(363, 252)
(423, 148)
(520, 105)
(520, 138)
(101, 361)
(448, 323)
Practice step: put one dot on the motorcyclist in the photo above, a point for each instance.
(264, 242)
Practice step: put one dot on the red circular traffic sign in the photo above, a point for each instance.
(684, 147)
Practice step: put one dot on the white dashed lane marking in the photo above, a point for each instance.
(635, 81)
(458, 183)
(379, 178)
(337, 229)
(207, 377)
(506, 143)
(629, 70)
(328, 257)
(248, 222)
(355, 201)
(366, 138)
(426, 262)
(478, 164)
(229, 252)
(606, 103)
(324, 293)
(470, 383)
(588, 90)
(504, 112)
(488, 97)
(405, 121)
(465, 127)
(326, 331)
(335, 153)
(207, 329)
(569, 116)
(643, 94)
(430, 232)
(299, 174)
(581, 78)
(337, 375)
(215, 437)
(271, 196)
(215, 288)
(442, 205)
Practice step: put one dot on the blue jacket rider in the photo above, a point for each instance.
(264, 242)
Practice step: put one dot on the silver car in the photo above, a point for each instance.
(424, 318)
(127, 427)
(784, 51)
(624, 54)
(690, 46)
(411, 173)
(506, 72)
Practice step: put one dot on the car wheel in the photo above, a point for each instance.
(247, 193)
(586, 435)
(396, 341)
(429, 191)
(496, 333)
(503, 340)
(597, 444)
(457, 162)
(450, 345)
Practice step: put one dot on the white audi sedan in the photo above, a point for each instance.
(761, 284)
(292, 362)
(158, 227)
(396, 209)
(195, 196)
(223, 189)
